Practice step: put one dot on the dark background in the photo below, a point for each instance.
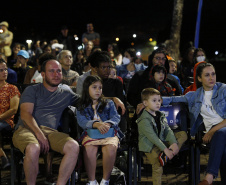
(117, 18)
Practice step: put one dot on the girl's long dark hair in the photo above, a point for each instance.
(85, 99)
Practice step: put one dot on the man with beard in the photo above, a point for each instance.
(41, 108)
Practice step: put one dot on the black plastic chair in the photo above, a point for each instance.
(197, 148)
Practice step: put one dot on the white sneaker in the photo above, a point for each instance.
(104, 183)
(92, 183)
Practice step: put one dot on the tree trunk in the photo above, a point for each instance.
(173, 45)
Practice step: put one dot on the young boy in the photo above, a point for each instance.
(21, 66)
(113, 74)
(173, 70)
(155, 135)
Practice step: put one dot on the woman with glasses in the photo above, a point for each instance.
(9, 102)
(141, 80)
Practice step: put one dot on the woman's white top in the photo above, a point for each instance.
(210, 116)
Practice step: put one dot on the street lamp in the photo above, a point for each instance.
(29, 43)
(76, 37)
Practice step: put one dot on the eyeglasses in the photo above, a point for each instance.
(1, 70)
(105, 67)
(159, 58)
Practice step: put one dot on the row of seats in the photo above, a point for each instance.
(176, 116)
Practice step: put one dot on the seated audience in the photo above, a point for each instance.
(98, 114)
(70, 77)
(157, 78)
(207, 113)
(173, 70)
(36, 132)
(193, 86)
(186, 67)
(33, 75)
(12, 75)
(21, 66)
(156, 138)
(79, 62)
(9, 102)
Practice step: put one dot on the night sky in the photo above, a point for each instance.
(117, 18)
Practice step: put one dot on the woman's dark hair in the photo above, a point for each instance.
(195, 54)
(85, 99)
(45, 56)
(131, 51)
(98, 57)
(158, 68)
(46, 46)
(150, 58)
(185, 61)
(76, 56)
(2, 61)
(199, 71)
(115, 48)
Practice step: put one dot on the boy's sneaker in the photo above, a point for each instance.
(163, 159)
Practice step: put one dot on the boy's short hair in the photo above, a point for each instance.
(147, 92)
(172, 61)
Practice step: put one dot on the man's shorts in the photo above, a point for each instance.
(23, 136)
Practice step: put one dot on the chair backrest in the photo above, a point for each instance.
(176, 115)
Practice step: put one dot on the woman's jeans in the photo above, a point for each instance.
(217, 155)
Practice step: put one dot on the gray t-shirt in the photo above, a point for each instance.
(91, 36)
(48, 106)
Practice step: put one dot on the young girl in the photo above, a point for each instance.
(207, 109)
(157, 79)
(96, 112)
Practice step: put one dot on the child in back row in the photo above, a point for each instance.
(96, 113)
(173, 70)
(158, 81)
(156, 139)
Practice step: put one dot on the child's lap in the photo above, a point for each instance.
(101, 142)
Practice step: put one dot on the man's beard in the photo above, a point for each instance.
(51, 84)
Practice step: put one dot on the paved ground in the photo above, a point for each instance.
(173, 174)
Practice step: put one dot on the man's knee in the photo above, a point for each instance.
(32, 150)
(72, 147)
